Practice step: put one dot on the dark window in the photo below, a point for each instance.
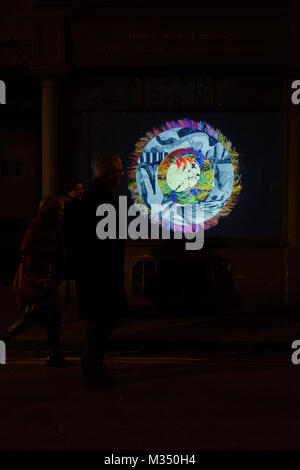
(141, 276)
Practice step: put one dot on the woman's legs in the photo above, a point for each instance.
(52, 318)
(20, 325)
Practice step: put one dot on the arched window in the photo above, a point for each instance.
(141, 276)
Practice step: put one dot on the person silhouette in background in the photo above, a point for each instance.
(70, 227)
(43, 262)
(102, 269)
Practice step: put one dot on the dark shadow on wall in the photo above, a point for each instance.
(198, 284)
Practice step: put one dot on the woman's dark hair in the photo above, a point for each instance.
(50, 203)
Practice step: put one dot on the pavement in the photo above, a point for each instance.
(266, 331)
(163, 404)
(224, 380)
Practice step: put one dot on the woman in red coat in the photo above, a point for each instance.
(42, 271)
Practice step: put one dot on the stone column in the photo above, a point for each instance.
(293, 126)
(293, 173)
(50, 140)
(292, 252)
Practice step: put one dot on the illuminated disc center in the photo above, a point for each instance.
(183, 174)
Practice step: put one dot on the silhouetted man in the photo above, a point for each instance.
(102, 269)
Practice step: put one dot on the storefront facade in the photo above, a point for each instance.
(98, 63)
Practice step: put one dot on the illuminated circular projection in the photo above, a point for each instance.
(183, 174)
(183, 164)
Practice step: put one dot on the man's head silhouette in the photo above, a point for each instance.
(108, 168)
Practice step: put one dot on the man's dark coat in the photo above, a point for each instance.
(101, 261)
